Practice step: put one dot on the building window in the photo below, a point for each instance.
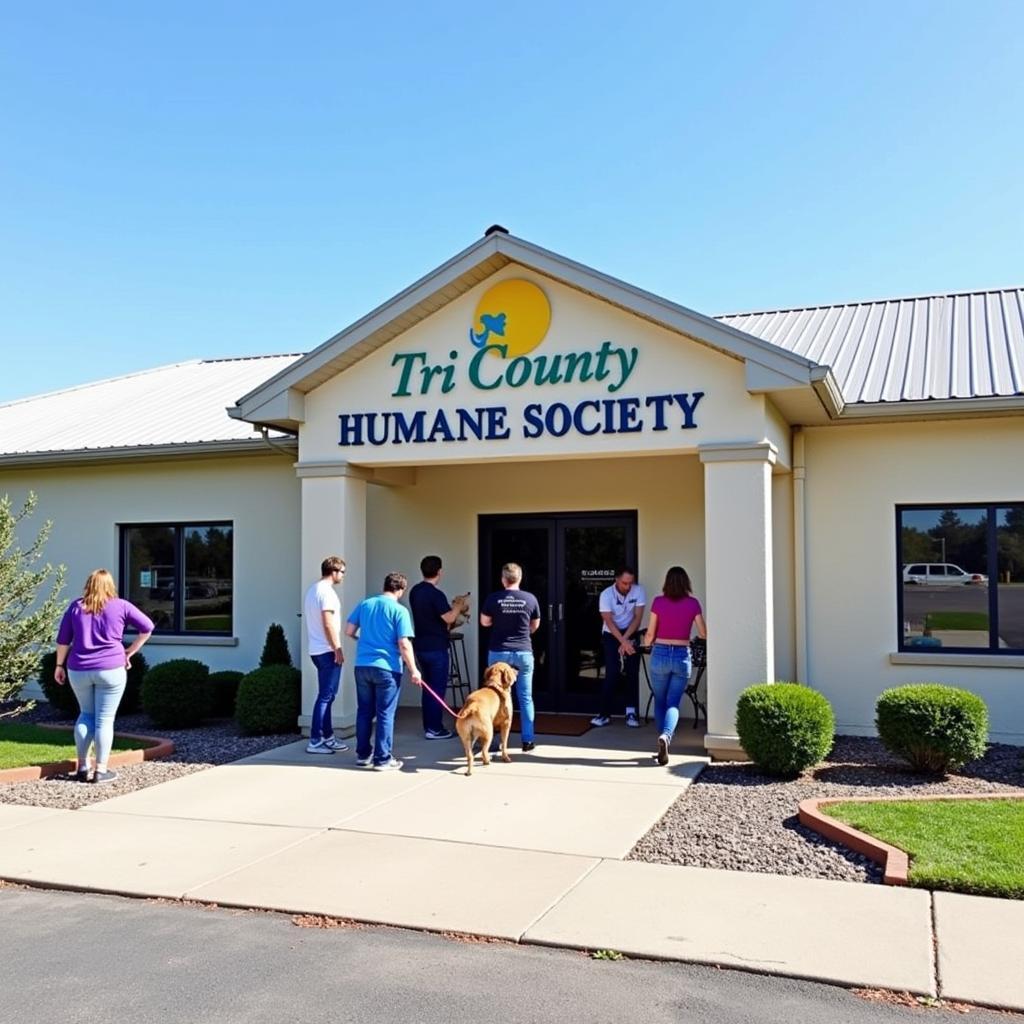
(961, 584)
(180, 575)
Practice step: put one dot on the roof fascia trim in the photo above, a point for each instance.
(642, 303)
(145, 453)
(934, 408)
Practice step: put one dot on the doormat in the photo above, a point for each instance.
(556, 725)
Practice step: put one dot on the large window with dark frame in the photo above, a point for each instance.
(180, 575)
(961, 585)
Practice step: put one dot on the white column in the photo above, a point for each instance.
(738, 567)
(333, 523)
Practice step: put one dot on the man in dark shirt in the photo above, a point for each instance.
(513, 616)
(432, 617)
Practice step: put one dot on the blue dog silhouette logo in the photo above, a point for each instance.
(511, 319)
(492, 324)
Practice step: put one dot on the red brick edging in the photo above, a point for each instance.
(895, 862)
(160, 748)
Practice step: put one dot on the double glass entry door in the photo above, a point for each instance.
(567, 561)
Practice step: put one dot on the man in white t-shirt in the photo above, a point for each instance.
(322, 612)
(622, 607)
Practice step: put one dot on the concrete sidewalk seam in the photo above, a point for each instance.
(384, 801)
(253, 863)
(554, 903)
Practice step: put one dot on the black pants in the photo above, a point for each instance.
(613, 669)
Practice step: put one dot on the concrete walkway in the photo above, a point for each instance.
(531, 851)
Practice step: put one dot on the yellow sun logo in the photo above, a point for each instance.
(515, 314)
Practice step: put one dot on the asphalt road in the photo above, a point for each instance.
(78, 959)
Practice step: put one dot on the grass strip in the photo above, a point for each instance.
(24, 745)
(969, 846)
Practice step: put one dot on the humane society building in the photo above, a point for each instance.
(844, 484)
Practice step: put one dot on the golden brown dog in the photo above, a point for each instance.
(486, 710)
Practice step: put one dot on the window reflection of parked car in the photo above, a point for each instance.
(940, 573)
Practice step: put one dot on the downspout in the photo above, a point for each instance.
(799, 554)
(265, 434)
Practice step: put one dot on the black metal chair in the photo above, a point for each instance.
(696, 689)
(458, 670)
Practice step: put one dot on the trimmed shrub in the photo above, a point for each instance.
(275, 647)
(933, 727)
(223, 691)
(269, 700)
(62, 698)
(175, 693)
(784, 727)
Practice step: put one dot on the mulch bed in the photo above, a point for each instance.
(736, 818)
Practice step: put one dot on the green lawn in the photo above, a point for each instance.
(972, 846)
(23, 745)
(957, 620)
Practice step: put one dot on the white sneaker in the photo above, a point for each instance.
(632, 721)
(439, 734)
(365, 762)
(318, 747)
(393, 765)
(600, 720)
(335, 744)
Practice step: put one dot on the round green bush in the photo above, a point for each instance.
(175, 693)
(62, 698)
(784, 727)
(269, 700)
(935, 728)
(223, 691)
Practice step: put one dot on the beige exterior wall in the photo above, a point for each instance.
(856, 476)
(259, 495)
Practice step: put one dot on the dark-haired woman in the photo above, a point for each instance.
(89, 646)
(675, 612)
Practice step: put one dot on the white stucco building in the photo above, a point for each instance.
(845, 485)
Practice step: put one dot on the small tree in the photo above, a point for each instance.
(28, 619)
(275, 648)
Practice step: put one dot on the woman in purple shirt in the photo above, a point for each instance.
(89, 646)
(674, 614)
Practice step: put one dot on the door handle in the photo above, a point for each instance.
(560, 611)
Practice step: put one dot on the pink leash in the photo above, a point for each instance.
(440, 700)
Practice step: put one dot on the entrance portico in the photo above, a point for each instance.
(513, 382)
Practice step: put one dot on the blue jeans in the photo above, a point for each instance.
(613, 666)
(99, 692)
(670, 672)
(434, 669)
(376, 698)
(522, 662)
(328, 675)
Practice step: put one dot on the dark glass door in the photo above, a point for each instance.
(567, 561)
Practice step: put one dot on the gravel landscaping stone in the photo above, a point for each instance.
(736, 818)
(213, 743)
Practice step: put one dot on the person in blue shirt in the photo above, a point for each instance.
(383, 629)
(513, 615)
(432, 618)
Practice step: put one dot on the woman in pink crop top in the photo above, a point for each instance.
(674, 614)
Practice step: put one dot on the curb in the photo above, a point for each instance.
(32, 773)
(894, 861)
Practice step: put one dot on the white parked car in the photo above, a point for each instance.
(941, 573)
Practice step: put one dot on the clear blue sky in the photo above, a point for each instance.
(211, 179)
